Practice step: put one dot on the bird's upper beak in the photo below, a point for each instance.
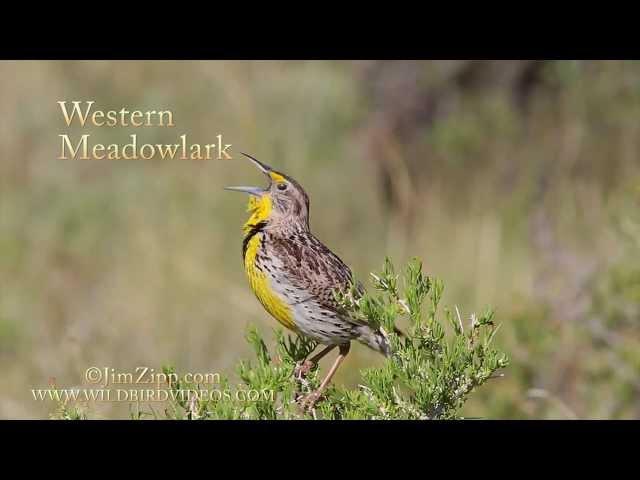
(257, 191)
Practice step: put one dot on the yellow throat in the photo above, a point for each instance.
(260, 210)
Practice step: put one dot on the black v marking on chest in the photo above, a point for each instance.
(255, 229)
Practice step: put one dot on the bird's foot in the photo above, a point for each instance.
(308, 402)
(302, 370)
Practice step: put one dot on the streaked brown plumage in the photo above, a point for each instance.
(294, 275)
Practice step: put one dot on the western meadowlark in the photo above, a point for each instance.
(294, 275)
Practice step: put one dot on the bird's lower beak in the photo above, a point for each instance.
(257, 191)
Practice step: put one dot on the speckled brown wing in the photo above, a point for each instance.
(305, 273)
(311, 267)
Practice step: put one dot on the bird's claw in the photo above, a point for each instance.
(308, 402)
(302, 370)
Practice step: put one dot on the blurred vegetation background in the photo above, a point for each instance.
(517, 183)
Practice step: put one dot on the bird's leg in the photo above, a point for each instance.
(310, 401)
(303, 370)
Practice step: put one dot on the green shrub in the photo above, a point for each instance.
(436, 364)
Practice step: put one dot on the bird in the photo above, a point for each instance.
(294, 275)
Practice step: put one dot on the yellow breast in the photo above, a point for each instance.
(261, 286)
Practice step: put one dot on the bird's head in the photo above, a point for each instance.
(282, 203)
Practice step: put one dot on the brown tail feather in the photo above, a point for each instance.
(377, 340)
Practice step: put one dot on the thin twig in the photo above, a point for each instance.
(459, 319)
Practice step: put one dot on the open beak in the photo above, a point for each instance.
(257, 191)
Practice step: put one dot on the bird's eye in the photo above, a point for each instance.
(282, 186)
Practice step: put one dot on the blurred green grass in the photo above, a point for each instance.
(127, 263)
